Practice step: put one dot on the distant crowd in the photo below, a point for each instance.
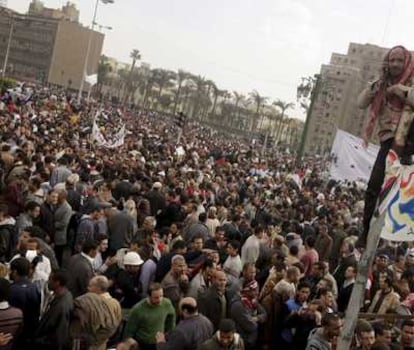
(203, 244)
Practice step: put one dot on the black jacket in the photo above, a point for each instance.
(53, 330)
(209, 305)
(8, 240)
(81, 271)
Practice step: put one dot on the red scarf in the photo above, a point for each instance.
(249, 303)
(381, 96)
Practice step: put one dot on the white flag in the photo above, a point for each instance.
(92, 79)
(351, 161)
(99, 138)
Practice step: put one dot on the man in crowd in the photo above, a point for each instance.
(192, 331)
(53, 329)
(226, 338)
(25, 296)
(323, 338)
(151, 315)
(175, 283)
(11, 318)
(81, 268)
(245, 193)
(387, 98)
(214, 303)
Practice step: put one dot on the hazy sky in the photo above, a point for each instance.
(244, 44)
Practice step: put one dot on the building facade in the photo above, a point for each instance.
(47, 50)
(335, 104)
(68, 12)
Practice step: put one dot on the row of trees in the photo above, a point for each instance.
(200, 98)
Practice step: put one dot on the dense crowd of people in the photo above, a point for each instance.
(204, 244)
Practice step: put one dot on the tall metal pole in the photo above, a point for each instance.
(314, 95)
(358, 291)
(88, 49)
(6, 57)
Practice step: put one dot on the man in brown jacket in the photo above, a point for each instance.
(385, 299)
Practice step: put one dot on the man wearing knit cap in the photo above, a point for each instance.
(248, 313)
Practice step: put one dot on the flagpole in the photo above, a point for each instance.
(358, 291)
(89, 91)
(180, 133)
(88, 49)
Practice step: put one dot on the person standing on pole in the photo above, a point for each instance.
(390, 98)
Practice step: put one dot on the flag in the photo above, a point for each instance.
(91, 79)
(397, 200)
(99, 138)
(350, 160)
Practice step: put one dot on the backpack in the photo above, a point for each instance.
(73, 229)
(8, 241)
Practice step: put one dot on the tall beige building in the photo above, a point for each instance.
(46, 49)
(335, 106)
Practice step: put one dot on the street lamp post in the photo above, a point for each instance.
(6, 57)
(88, 49)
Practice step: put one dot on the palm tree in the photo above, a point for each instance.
(135, 55)
(187, 90)
(199, 94)
(104, 68)
(163, 78)
(123, 76)
(211, 85)
(217, 93)
(259, 101)
(182, 76)
(283, 106)
(147, 88)
(238, 98)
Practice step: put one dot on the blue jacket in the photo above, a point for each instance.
(25, 296)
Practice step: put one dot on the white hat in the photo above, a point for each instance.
(30, 255)
(157, 185)
(60, 186)
(132, 258)
(72, 179)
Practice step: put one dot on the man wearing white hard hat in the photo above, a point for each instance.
(126, 285)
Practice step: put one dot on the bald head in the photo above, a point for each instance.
(220, 281)
(188, 306)
(98, 285)
(188, 301)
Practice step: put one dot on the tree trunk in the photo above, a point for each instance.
(177, 96)
(280, 126)
(213, 110)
